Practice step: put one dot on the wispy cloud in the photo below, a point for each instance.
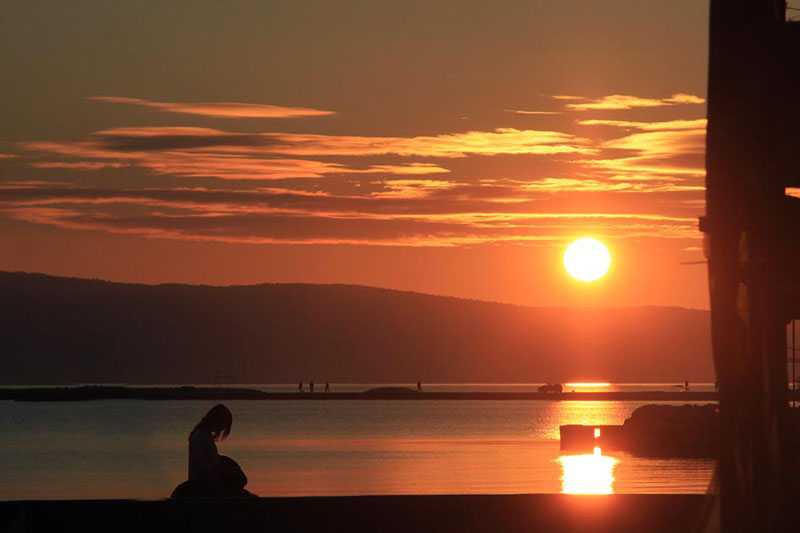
(624, 101)
(33, 184)
(498, 141)
(424, 190)
(526, 112)
(412, 188)
(219, 109)
(683, 98)
(410, 169)
(204, 164)
(403, 215)
(206, 152)
(426, 198)
(83, 165)
(593, 185)
(658, 150)
(243, 167)
(695, 124)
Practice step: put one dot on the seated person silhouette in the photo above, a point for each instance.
(211, 474)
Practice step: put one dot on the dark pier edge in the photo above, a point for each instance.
(91, 392)
(462, 513)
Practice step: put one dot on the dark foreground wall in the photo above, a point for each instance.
(467, 513)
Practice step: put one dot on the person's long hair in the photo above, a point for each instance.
(217, 422)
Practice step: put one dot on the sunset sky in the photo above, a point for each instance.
(453, 148)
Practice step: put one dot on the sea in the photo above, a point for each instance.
(137, 449)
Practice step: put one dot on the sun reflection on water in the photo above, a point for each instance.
(587, 473)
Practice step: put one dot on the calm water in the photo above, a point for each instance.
(137, 449)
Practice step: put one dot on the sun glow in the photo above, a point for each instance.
(588, 384)
(587, 259)
(588, 473)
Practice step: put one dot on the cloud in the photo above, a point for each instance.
(594, 185)
(426, 190)
(243, 167)
(84, 165)
(219, 109)
(498, 141)
(274, 228)
(407, 213)
(669, 142)
(8, 156)
(682, 98)
(659, 150)
(412, 188)
(524, 112)
(624, 101)
(412, 168)
(694, 124)
(202, 164)
(206, 152)
(28, 184)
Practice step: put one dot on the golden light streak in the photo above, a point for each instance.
(588, 473)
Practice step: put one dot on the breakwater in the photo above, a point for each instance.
(103, 392)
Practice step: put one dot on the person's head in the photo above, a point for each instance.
(217, 422)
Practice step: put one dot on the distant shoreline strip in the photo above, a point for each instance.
(87, 393)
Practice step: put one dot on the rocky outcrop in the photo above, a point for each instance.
(653, 431)
(673, 431)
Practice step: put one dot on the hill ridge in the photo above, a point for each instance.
(343, 285)
(74, 330)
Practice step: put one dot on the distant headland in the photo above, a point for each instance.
(67, 330)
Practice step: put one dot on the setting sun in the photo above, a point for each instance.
(587, 259)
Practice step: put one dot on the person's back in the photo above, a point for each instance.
(203, 458)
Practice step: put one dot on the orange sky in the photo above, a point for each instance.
(450, 148)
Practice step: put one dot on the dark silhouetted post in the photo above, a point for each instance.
(752, 146)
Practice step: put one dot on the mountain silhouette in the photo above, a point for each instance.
(66, 330)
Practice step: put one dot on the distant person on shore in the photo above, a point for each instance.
(300, 387)
(210, 473)
(419, 385)
(686, 386)
(311, 386)
(327, 387)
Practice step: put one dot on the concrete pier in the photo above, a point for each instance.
(527, 513)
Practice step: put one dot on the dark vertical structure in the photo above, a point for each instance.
(752, 229)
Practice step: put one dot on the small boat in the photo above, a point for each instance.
(551, 387)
